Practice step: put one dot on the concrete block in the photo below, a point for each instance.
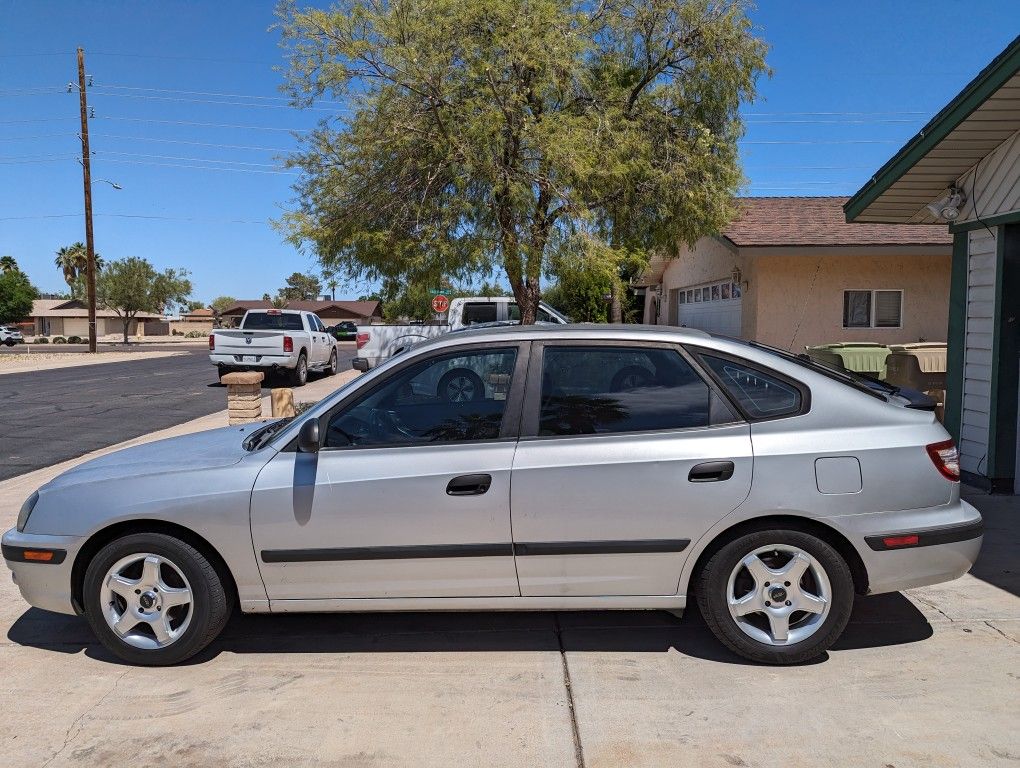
(242, 377)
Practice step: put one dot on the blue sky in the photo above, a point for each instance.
(852, 82)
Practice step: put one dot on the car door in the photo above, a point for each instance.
(320, 341)
(409, 495)
(627, 456)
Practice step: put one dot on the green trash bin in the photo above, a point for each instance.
(865, 357)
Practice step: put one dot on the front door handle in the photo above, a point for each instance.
(469, 485)
(711, 472)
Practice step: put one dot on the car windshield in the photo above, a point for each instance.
(266, 321)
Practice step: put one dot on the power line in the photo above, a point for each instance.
(137, 216)
(215, 93)
(203, 125)
(192, 143)
(823, 141)
(185, 58)
(37, 136)
(103, 152)
(41, 216)
(36, 120)
(208, 101)
(201, 167)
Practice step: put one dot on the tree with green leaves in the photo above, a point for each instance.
(301, 287)
(73, 262)
(133, 285)
(221, 304)
(8, 263)
(16, 295)
(487, 134)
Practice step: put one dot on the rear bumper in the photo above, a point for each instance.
(361, 364)
(263, 361)
(948, 541)
(42, 585)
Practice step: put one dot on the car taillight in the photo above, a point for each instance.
(946, 459)
(288, 344)
(362, 339)
(212, 341)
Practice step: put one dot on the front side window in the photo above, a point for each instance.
(597, 390)
(763, 396)
(451, 398)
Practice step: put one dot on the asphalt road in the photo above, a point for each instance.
(58, 414)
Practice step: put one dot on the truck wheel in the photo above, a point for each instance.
(299, 375)
(331, 369)
(460, 386)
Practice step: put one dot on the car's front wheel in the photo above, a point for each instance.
(153, 599)
(332, 368)
(776, 596)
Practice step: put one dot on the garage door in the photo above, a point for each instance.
(74, 326)
(713, 308)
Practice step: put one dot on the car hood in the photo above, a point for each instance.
(202, 450)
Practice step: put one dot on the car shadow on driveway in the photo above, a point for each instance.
(881, 620)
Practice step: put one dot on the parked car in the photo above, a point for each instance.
(10, 336)
(344, 331)
(378, 343)
(275, 340)
(519, 468)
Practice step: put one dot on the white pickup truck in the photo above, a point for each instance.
(274, 340)
(378, 343)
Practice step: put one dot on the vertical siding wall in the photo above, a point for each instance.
(977, 360)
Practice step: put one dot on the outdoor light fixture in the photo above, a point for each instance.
(736, 275)
(113, 184)
(948, 206)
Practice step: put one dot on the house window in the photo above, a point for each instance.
(872, 309)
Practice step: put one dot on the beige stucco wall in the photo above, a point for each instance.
(799, 298)
(795, 299)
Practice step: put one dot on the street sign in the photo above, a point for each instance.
(440, 304)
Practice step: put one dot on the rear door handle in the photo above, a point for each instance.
(469, 485)
(711, 472)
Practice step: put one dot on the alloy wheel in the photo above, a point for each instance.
(779, 594)
(146, 601)
(460, 389)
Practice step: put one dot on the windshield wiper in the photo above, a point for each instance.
(261, 436)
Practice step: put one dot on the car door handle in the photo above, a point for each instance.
(711, 472)
(469, 485)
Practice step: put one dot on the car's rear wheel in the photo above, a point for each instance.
(776, 596)
(299, 375)
(460, 386)
(153, 599)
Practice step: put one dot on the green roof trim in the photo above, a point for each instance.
(988, 81)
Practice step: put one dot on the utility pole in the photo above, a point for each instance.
(90, 248)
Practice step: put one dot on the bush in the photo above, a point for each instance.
(195, 335)
(41, 340)
(175, 332)
(59, 340)
(75, 340)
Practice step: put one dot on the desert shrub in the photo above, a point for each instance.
(41, 340)
(195, 335)
(59, 340)
(75, 340)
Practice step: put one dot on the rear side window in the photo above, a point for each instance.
(263, 321)
(478, 312)
(597, 390)
(763, 396)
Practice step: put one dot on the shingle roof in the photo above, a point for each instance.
(360, 308)
(772, 221)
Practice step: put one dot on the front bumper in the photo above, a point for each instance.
(948, 540)
(45, 585)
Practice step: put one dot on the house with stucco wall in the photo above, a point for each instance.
(791, 272)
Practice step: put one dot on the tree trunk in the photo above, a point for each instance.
(527, 292)
(615, 303)
(127, 324)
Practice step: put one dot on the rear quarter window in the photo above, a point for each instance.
(762, 395)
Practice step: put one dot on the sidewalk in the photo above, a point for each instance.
(48, 358)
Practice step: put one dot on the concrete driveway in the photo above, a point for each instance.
(929, 678)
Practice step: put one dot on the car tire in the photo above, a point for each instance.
(331, 369)
(460, 385)
(746, 606)
(631, 377)
(222, 370)
(9, 342)
(299, 375)
(179, 568)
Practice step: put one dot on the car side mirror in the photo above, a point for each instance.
(308, 437)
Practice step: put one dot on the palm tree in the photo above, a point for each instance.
(8, 264)
(73, 261)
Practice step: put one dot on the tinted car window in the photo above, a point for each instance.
(479, 313)
(264, 321)
(450, 398)
(761, 395)
(597, 390)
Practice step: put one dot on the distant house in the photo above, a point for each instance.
(330, 312)
(62, 317)
(791, 272)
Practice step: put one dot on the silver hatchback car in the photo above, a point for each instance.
(541, 468)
